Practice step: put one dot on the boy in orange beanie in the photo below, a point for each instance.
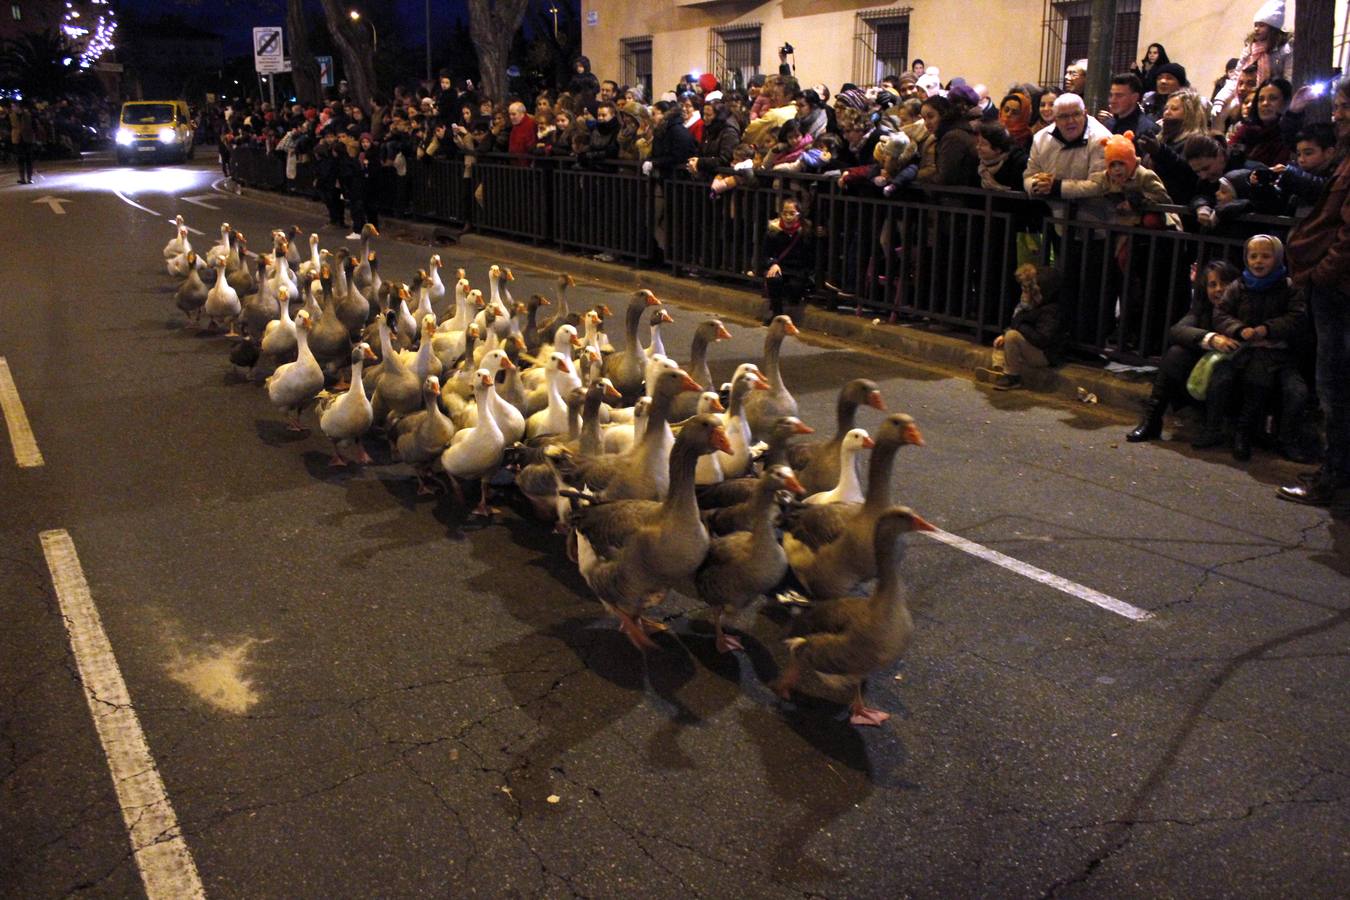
(1130, 185)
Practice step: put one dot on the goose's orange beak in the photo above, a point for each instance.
(507, 365)
(604, 310)
(874, 400)
(758, 383)
(689, 384)
(544, 301)
(922, 524)
(436, 389)
(664, 317)
(611, 391)
(868, 443)
(716, 405)
(792, 484)
(651, 299)
(802, 428)
(369, 354)
(791, 328)
(722, 334)
(913, 435)
(486, 380)
(564, 367)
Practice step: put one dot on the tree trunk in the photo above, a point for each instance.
(493, 25)
(354, 44)
(1101, 42)
(1314, 22)
(304, 67)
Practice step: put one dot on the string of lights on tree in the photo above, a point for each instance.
(89, 27)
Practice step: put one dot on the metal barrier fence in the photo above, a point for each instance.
(944, 255)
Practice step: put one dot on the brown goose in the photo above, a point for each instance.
(708, 331)
(763, 409)
(531, 330)
(734, 493)
(846, 639)
(828, 546)
(626, 368)
(817, 462)
(420, 438)
(742, 566)
(191, 294)
(641, 473)
(561, 315)
(631, 551)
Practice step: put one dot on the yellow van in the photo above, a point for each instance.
(154, 129)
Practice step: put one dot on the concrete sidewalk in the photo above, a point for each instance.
(954, 355)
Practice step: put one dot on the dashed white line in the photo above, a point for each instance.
(1027, 570)
(166, 866)
(21, 438)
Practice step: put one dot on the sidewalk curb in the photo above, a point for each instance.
(957, 355)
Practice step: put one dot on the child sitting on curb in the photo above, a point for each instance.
(1035, 337)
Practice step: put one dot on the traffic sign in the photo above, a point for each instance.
(325, 70)
(268, 54)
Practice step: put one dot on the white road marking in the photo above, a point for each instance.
(200, 200)
(1072, 588)
(127, 200)
(26, 452)
(166, 866)
(54, 203)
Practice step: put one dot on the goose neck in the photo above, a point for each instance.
(879, 476)
(773, 345)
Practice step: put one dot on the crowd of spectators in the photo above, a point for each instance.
(1217, 153)
(32, 129)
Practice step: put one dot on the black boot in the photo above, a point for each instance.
(1253, 413)
(1242, 444)
(1150, 428)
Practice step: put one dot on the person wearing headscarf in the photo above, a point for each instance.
(1014, 113)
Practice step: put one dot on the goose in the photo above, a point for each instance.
(593, 335)
(178, 266)
(762, 410)
(817, 462)
(561, 315)
(656, 346)
(495, 276)
(849, 489)
(475, 452)
(361, 276)
(458, 386)
(191, 294)
(292, 251)
(178, 244)
(342, 272)
(345, 417)
(540, 478)
(223, 248)
(641, 473)
(531, 330)
(424, 308)
(708, 331)
(553, 419)
(630, 552)
(278, 338)
(258, 309)
(709, 469)
(422, 437)
(727, 505)
(406, 325)
(846, 639)
(376, 282)
(742, 566)
(236, 266)
(281, 267)
(353, 310)
(449, 344)
(435, 287)
(489, 338)
(535, 380)
(295, 384)
(620, 437)
(222, 301)
(736, 461)
(460, 319)
(329, 340)
(509, 419)
(625, 368)
(398, 390)
(424, 361)
(827, 545)
(308, 270)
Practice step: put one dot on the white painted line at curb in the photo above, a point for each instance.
(166, 866)
(1072, 588)
(21, 438)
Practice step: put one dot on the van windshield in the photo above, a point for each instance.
(148, 114)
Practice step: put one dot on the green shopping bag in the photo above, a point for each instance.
(1197, 384)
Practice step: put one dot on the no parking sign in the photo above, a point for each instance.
(325, 70)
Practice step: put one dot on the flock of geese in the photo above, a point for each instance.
(655, 480)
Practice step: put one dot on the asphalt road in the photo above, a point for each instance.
(349, 690)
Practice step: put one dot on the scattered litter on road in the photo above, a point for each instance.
(1086, 396)
(554, 798)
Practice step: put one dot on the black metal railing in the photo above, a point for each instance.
(943, 255)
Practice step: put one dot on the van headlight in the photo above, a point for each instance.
(167, 135)
(125, 137)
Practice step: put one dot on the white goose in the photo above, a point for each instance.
(656, 346)
(347, 416)
(222, 301)
(178, 244)
(461, 318)
(223, 249)
(553, 419)
(309, 269)
(709, 468)
(737, 463)
(620, 437)
(501, 325)
(436, 286)
(279, 339)
(476, 452)
(849, 489)
(509, 419)
(295, 384)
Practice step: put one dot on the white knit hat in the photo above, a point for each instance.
(1271, 13)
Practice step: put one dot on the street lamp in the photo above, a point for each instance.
(553, 8)
(374, 35)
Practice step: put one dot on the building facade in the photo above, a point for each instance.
(835, 41)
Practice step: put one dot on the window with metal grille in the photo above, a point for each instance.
(1067, 31)
(733, 54)
(880, 44)
(637, 63)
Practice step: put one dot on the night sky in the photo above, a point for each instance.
(235, 19)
